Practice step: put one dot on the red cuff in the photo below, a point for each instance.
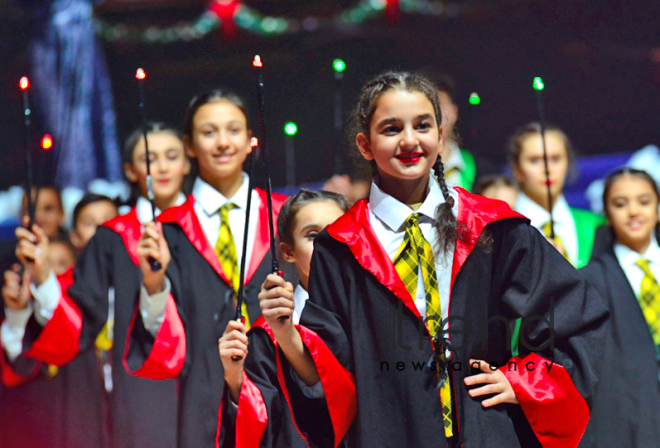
(555, 409)
(59, 341)
(168, 353)
(338, 383)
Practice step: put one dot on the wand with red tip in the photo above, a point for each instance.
(141, 75)
(258, 68)
(24, 84)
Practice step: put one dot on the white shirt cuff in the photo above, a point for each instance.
(13, 330)
(314, 391)
(46, 298)
(233, 407)
(152, 308)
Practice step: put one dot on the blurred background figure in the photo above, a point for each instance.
(71, 91)
(498, 186)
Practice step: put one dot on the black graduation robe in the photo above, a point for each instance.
(264, 417)
(39, 410)
(363, 331)
(142, 413)
(627, 403)
(196, 314)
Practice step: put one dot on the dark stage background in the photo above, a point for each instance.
(600, 61)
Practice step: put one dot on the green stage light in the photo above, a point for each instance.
(475, 99)
(338, 65)
(290, 128)
(538, 83)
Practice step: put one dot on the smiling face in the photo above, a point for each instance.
(220, 141)
(530, 169)
(309, 221)
(404, 137)
(169, 165)
(632, 210)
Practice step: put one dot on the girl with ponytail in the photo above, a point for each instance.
(430, 307)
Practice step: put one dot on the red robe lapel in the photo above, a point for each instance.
(129, 228)
(354, 229)
(262, 237)
(185, 216)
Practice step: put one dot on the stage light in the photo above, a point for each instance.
(538, 83)
(475, 99)
(338, 65)
(290, 128)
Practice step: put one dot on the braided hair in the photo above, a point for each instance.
(445, 222)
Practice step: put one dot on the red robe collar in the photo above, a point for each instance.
(128, 226)
(354, 229)
(185, 216)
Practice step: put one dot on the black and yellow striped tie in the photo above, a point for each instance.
(415, 253)
(649, 299)
(225, 249)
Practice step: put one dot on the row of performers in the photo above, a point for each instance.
(414, 254)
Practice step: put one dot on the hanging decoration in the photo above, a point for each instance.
(230, 15)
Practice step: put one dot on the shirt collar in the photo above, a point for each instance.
(561, 212)
(628, 257)
(394, 213)
(455, 160)
(143, 207)
(211, 199)
(299, 294)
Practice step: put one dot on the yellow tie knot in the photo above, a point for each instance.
(645, 266)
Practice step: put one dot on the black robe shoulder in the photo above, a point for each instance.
(627, 404)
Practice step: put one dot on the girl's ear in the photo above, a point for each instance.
(186, 166)
(187, 144)
(518, 174)
(287, 253)
(364, 145)
(129, 171)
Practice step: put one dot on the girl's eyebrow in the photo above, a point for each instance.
(310, 227)
(424, 117)
(387, 121)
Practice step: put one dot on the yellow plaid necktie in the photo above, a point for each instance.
(415, 253)
(649, 299)
(225, 249)
(547, 232)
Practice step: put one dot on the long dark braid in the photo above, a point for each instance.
(446, 223)
(449, 229)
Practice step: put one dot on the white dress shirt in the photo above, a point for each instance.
(564, 224)
(207, 205)
(388, 219)
(628, 257)
(300, 297)
(143, 208)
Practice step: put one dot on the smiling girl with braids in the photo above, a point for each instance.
(419, 293)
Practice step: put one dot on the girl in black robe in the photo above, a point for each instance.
(140, 413)
(627, 404)
(519, 315)
(181, 316)
(252, 383)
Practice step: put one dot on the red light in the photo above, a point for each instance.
(140, 74)
(47, 142)
(254, 142)
(24, 83)
(257, 61)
